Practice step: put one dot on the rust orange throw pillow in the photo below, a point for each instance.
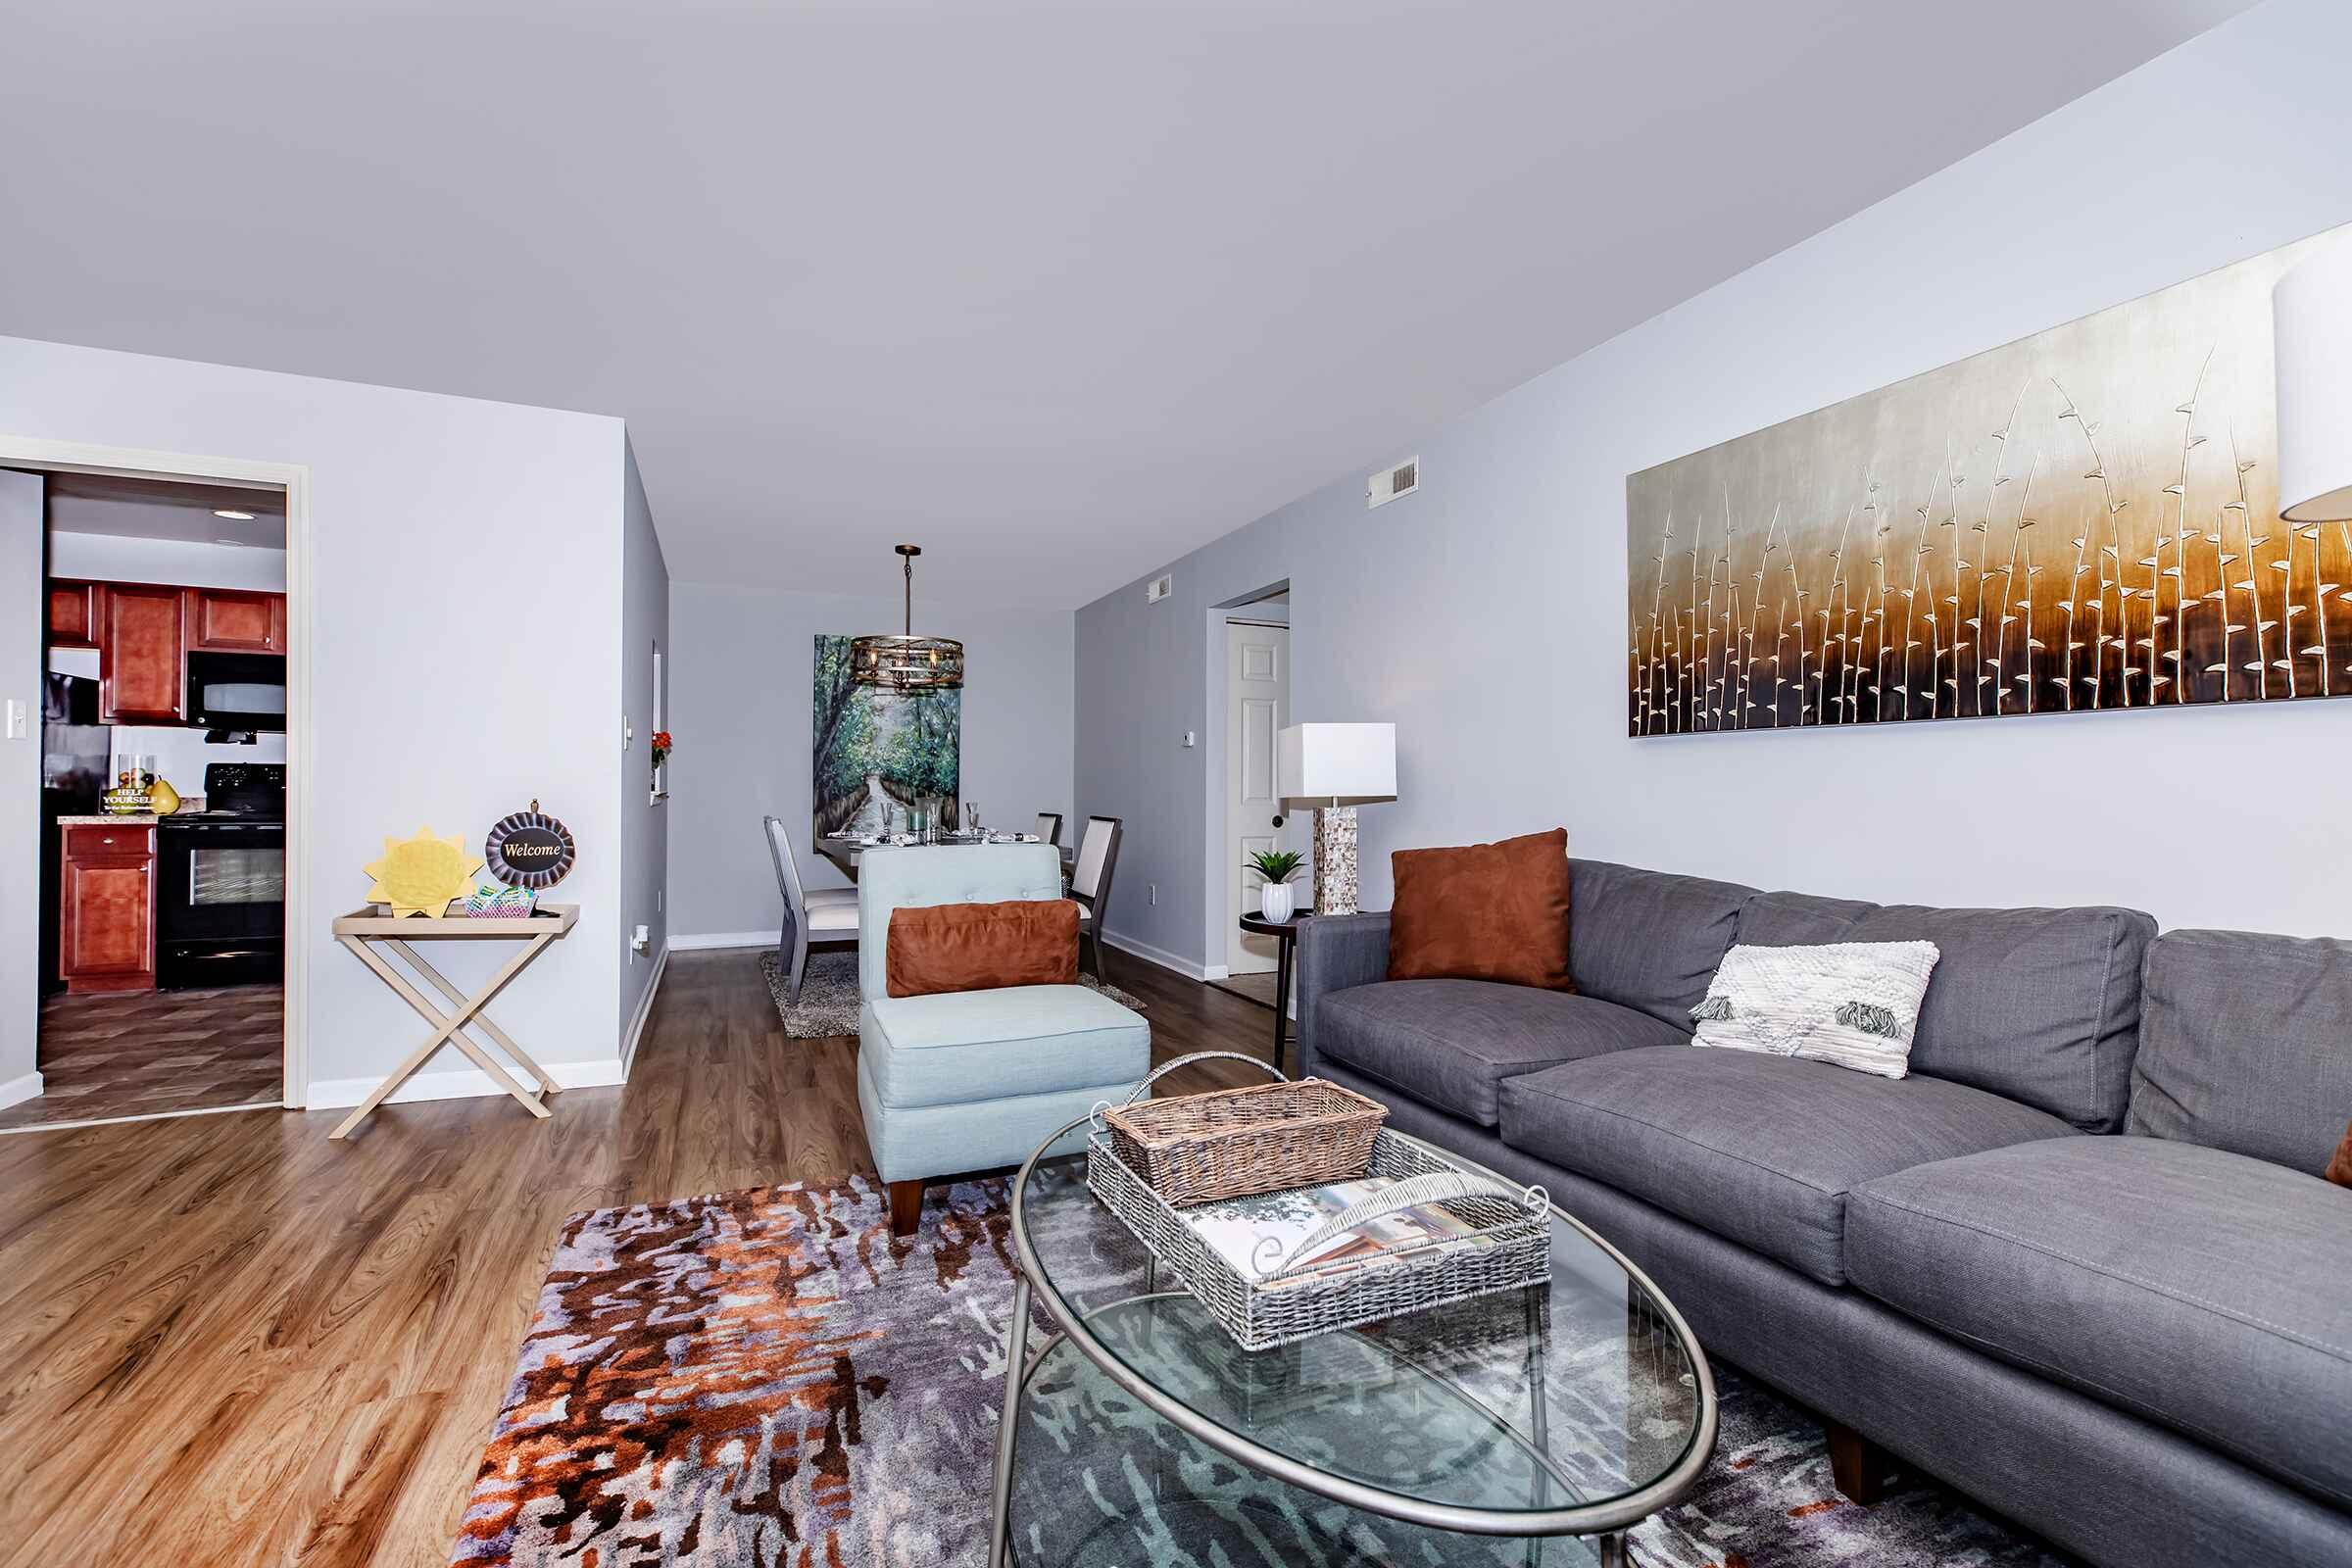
(1488, 911)
(2339, 1169)
(981, 947)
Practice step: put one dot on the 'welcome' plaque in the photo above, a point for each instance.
(529, 850)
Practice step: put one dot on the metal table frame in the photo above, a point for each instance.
(1607, 1519)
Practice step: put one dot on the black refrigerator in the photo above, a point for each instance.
(77, 756)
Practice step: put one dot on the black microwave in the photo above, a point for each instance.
(237, 691)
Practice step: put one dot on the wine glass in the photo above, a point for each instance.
(971, 818)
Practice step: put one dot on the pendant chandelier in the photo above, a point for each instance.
(903, 662)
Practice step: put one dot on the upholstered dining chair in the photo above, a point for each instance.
(1090, 880)
(828, 915)
(1049, 828)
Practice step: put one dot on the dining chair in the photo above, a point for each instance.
(828, 915)
(1049, 828)
(1090, 879)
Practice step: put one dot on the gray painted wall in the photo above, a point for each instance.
(23, 615)
(644, 822)
(740, 697)
(1485, 614)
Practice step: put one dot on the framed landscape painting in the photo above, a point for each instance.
(2083, 520)
(884, 761)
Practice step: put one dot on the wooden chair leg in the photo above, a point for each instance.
(906, 1208)
(1100, 974)
(1857, 1465)
(799, 966)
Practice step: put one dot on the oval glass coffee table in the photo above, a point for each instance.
(1531, 1428)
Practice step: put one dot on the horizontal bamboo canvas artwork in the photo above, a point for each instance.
(2082, 520)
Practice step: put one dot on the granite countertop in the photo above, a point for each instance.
(187, 803)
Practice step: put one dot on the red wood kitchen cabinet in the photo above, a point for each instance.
(105, 916)
(230, 620)
(142, 646)
(72, 613)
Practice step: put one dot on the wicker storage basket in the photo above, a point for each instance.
(1511, 1249)
(1238, 1142)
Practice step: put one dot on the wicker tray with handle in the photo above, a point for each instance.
(1294, 1297)
(1238, 1142)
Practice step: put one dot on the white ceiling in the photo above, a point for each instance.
(157, 509)
(1056, 290)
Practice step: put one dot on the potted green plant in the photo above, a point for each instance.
(1276, 898)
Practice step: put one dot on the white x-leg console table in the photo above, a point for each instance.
(366, 931)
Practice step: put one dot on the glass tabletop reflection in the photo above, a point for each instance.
(1513, 1405)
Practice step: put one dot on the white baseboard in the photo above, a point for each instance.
(645, 1011)
(17, 1091)
(723, 939)
(1216, 971)
(464, 1083)
(1159, 956)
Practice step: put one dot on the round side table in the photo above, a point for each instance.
(1285, 937)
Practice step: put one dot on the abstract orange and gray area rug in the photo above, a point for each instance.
(764, 1379)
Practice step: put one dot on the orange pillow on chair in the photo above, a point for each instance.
(982, 947)
(1486, 911)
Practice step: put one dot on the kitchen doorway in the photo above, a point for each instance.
(172, 649)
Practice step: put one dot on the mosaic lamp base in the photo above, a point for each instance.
(1335, 859)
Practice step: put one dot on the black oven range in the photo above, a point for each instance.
(221, 894)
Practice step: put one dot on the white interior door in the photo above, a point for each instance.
(1258, 704)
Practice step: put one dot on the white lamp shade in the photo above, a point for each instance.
(2312, 310)
(1339, 761)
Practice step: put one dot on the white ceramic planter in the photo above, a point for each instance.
(1276, 900)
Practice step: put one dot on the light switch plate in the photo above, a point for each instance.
(19, 725)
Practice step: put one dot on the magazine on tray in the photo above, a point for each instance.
(1254, 1235)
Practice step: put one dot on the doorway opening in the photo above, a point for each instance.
(166, 608)
(1256, 643)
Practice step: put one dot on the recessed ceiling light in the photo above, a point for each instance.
(239, 543)
(232, 516)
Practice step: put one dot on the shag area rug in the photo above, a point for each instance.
(764, 1379)
(829, 994)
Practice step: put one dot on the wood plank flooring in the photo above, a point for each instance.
(143, 1053)
(226, 1340)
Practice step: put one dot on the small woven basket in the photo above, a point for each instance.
(1238, 1142)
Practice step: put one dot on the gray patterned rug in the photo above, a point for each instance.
(764, 1378)
(829, 994)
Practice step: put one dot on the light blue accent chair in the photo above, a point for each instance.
(975, 1080)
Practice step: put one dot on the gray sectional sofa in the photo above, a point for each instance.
(2079, 1264)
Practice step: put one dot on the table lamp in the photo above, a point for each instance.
(1337, 766)
(2312, 311)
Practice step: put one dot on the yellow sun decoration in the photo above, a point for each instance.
(420, 875)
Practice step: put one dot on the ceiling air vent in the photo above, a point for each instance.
(1159, 588)
(1402, 480)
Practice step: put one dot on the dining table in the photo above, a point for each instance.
(844, 852)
